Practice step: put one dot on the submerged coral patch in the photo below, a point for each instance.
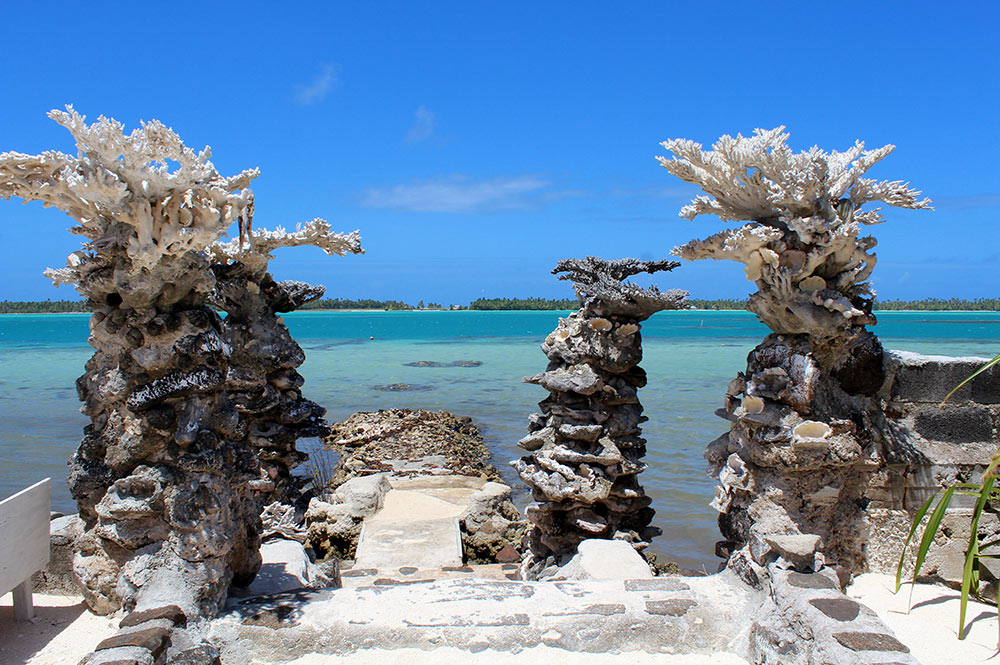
(453, 363)
(401, 387)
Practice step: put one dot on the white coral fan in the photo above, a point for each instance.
(121, 190)
(802, 246)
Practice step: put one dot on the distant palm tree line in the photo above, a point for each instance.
(521, 304)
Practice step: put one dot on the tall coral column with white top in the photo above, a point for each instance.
(807, 429)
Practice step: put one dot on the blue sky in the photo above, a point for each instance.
(474, 144)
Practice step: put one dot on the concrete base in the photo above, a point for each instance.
(659, 615)
(605, 560)
(540, 654)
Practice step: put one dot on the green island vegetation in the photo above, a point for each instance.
(365, 303)
(940, 305)
(42, 307)
(524, 304)
(512, 304)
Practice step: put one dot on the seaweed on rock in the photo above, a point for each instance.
(184, 405)
(585, 447)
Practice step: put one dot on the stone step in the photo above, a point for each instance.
(398, 543)
(354, 576)
(417, 526)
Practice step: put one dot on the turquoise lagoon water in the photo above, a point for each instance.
(690, 357)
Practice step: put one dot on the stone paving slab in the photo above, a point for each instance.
(417, 526)
(696, 616)
(355, 576)
(542, 655)
(394, 544)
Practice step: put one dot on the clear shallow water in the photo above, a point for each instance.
(689, 357)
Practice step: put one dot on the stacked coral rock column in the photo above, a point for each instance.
(585, 447)
(263, 378)
(167, 470)
(808, 435)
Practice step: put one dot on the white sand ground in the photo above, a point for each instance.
(62, 632)
(927, 622)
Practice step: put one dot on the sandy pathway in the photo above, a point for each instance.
(62, 632)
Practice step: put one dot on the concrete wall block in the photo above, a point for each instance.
(887, 530)
(920, 378)
(960, 424)
(908, 449)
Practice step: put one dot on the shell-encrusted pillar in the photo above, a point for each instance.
(808, 437)
(263, 379)
(585, 447)
(166, 475)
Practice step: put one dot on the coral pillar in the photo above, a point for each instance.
(262, 379)
(179, 402)
(585, 446)
(808, 428)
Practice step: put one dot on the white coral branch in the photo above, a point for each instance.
(126, 179)
(256, 250)
(759, 178)
(733, 244)
(171, 197)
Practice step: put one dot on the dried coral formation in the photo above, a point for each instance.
(807, 428)
(165, 475)
(585, 446)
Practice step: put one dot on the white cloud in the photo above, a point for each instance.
(423, 125)
(319, 87)
(460, 194)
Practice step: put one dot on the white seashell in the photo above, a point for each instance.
(600, 325)
(562, 334)
(811, 429)
(628, 329)
(770, 257)
(754, 263)
(812, 284)
(752, 404)
(550, 339)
